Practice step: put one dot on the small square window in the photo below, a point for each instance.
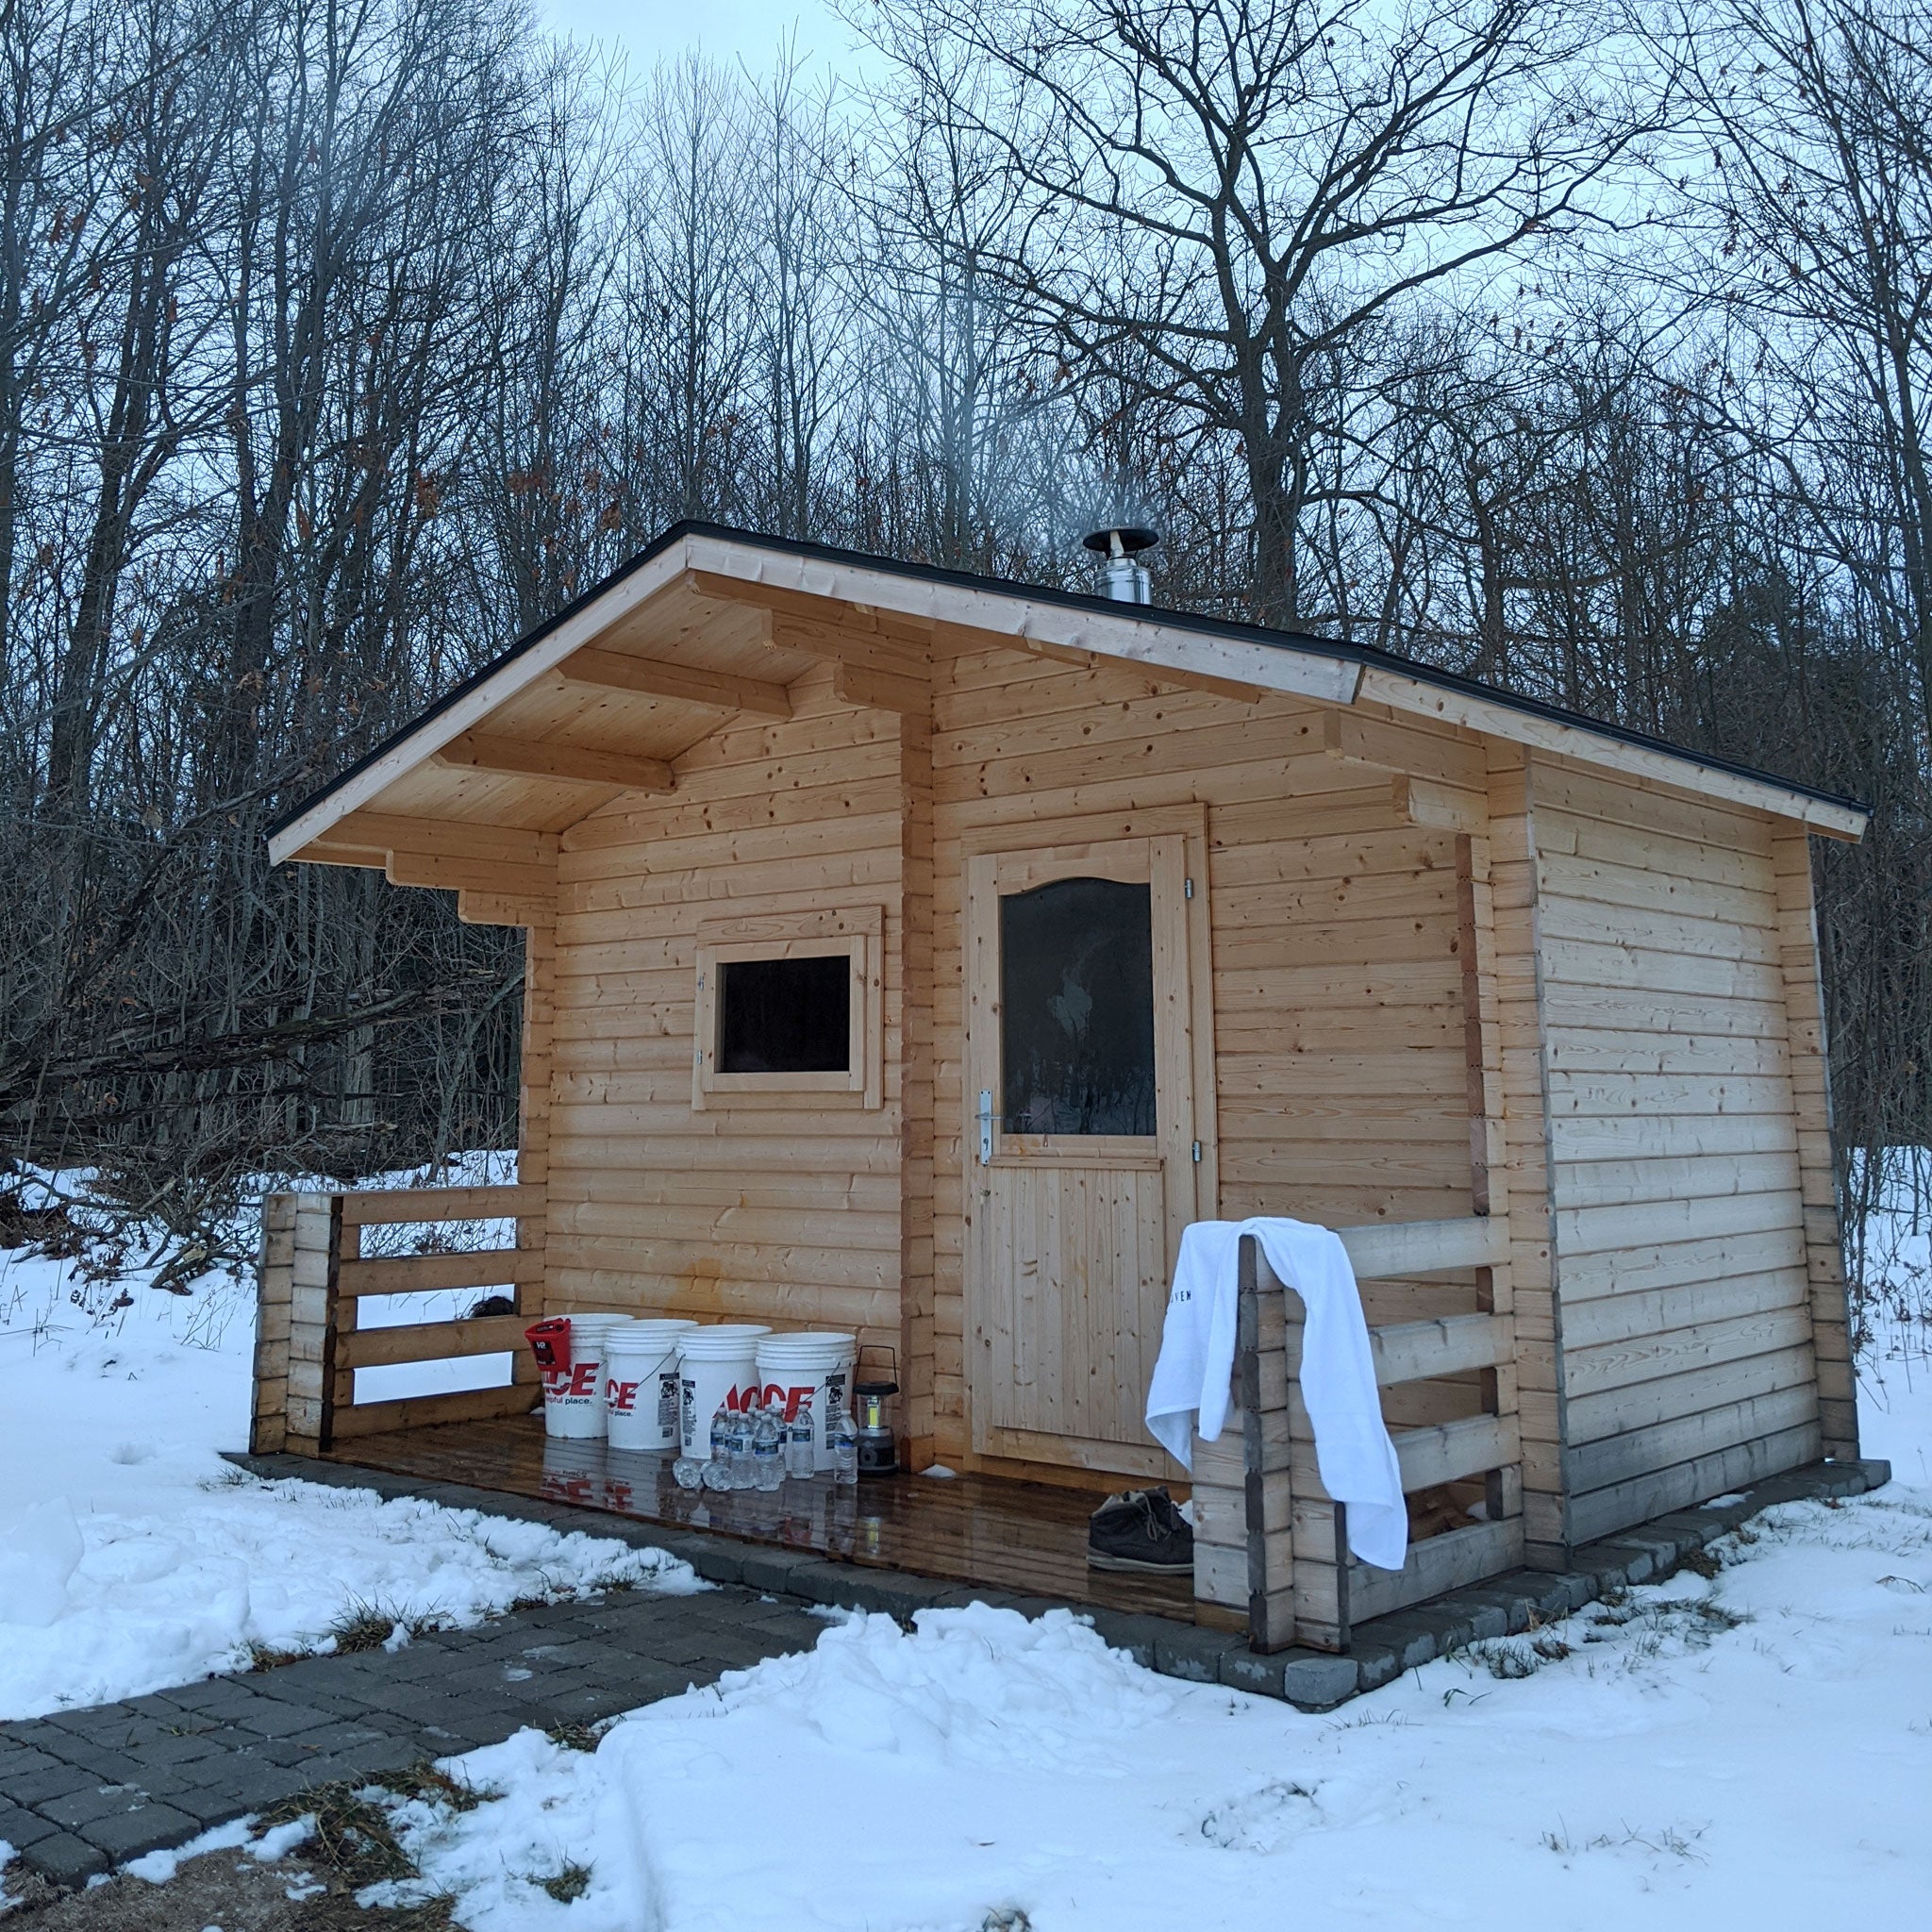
(789, 1011)
(785, 1016)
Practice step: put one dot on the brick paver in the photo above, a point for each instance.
(81, 1790)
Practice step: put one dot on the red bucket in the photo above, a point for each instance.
(550, 1342)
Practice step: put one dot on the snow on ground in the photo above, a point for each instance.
(1749, 1750)
(1896, 1364)
(133, 1557)
(1754, 1750)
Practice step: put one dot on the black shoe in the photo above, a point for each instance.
(1141, 1531)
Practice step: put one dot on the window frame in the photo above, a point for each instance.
(855, 933)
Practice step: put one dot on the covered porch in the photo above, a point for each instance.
(1270, 1555)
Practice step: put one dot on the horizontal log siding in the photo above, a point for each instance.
(1342, 1089)
(1674, 1154)
(788, 1213)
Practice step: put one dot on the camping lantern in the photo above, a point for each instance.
(878, 1448)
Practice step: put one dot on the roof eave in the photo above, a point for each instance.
(1170, 642)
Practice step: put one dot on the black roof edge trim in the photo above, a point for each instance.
(1364, 655)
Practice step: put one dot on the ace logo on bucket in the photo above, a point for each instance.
(715, 1365)
(578, 1380)
(693, 1428)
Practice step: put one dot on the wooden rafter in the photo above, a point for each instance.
(338, 851)
(654, 677)
(569, 764)
(448, 837)
(470, 874)
(882, 691)
(894, 656)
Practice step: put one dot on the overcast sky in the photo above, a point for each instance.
(728, 29)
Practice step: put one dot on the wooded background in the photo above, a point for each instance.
(1584, 348)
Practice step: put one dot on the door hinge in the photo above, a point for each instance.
(1197, 1154)
(1186, 889)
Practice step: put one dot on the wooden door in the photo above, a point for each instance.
(1083, 1148)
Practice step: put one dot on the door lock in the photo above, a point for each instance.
(986, 1127)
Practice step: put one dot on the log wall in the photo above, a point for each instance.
(1342, 1076)
(295, 1325)
(793, 1214)
(1685, 1315)
(1644, 1072)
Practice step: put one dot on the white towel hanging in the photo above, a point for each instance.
(1189, 1389)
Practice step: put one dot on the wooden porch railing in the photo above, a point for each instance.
(310, 1340)
(1269, 1544)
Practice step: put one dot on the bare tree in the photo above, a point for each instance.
(341, 340)
(690, 290)
(1815, 216)
(1235, 187)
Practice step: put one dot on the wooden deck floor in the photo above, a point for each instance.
(988, 1530)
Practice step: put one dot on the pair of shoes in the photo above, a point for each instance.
(1141, 1531)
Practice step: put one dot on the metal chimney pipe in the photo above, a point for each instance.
(1123, 578)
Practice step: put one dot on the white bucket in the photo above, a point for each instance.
(573, 1397)
(641, 1385)
(794, 1367)
(715, 1364)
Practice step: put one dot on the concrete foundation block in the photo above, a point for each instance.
(1313, 1682)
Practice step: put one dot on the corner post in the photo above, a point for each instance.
(533, 1106)
(313, 1276)
(1535, 1303)
(275, 1289)
(1824, 1270)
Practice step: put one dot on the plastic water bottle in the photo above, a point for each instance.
(800, 1457)
(687, 1472)
(718, 1472)
(767, 1450)
(740, 1450)
(844, 1440)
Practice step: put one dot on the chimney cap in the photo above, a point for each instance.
(1121, 540)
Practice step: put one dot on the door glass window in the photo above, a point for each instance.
(1077, 1009)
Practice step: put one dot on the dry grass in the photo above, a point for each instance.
(435, 1785)
(362, 1625)
(350, 1836)
(1513, 1658)
(352, 1844)
(267, 1657)
(570, 1881)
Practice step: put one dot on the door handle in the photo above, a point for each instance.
(986, 1127)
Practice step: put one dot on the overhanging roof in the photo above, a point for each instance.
(736, 563)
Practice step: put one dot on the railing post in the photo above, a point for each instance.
(1261, 1384)
(344, 1318)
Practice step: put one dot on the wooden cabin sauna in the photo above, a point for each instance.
(819, 857)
